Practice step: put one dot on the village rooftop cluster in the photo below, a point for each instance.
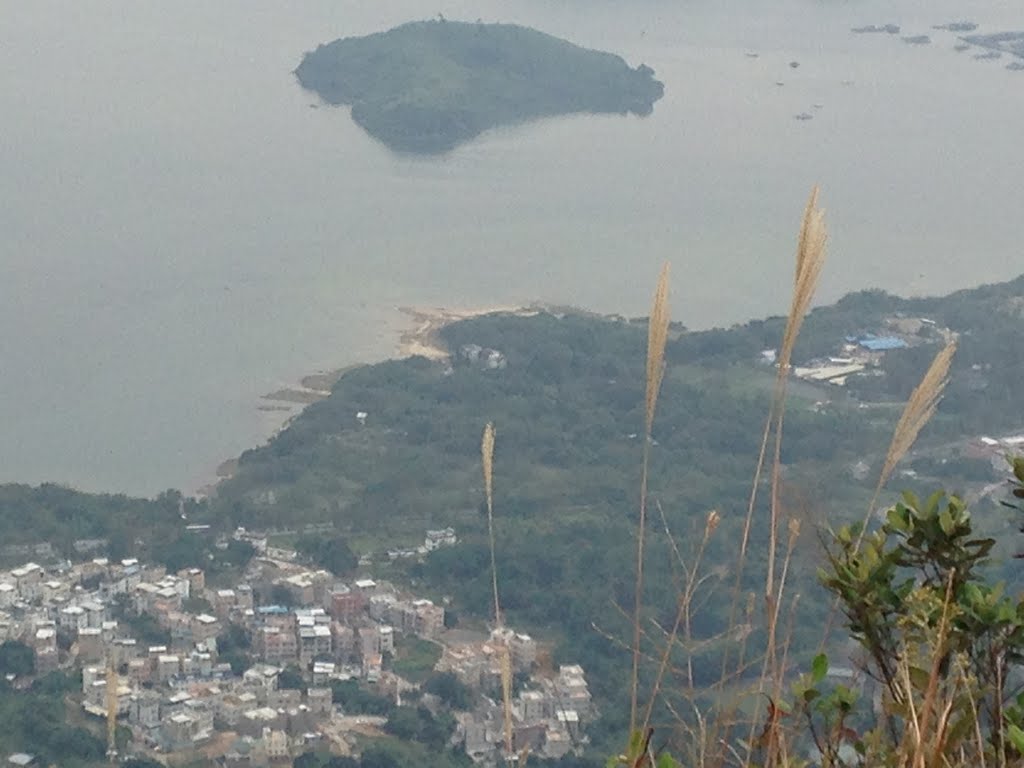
(182, 696)
(860, 354)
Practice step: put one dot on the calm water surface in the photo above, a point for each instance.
(182, 232)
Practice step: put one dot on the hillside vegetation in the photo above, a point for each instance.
(429, 86)
(568, 407)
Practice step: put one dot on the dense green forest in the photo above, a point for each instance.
(62, 516)
(429, 86)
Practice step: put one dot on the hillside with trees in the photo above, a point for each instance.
(567, 403)
(565, 391)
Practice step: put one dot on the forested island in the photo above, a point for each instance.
(428, 86)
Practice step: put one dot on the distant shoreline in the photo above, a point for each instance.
(420, 337)
(310, 389)
(423, 338)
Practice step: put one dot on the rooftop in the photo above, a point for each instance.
(263, 713)
(882, 343)
(272, 609)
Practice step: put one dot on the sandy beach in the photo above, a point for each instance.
(421, 336)
(423, 339)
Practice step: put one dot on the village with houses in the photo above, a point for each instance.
(859, 354)
(187, 697)
(862, 354)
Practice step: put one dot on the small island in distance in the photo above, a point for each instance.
(428, 86)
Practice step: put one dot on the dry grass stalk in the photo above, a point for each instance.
(616, 641)
(506, 699)
(772, 668)
(931, 693)
(975, 715)
(794, 535)
(487, 454)
(682, 616)
(916, 414)
(692, 584)
(919, 409)
(697, 735)
(777, 695)
(487, 457)
(657, 336)
(927, 714)
(810, 258)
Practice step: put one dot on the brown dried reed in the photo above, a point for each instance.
(918, 411)
(657, 336)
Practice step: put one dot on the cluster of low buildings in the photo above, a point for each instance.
(861, 353)
(435, 539)
(177, 696)
(1000, 451)
(483, 357)
(547, 714)
(858, 355)
(181, 695)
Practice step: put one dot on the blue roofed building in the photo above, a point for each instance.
(882, 343)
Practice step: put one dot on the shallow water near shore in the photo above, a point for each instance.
(183, 233)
